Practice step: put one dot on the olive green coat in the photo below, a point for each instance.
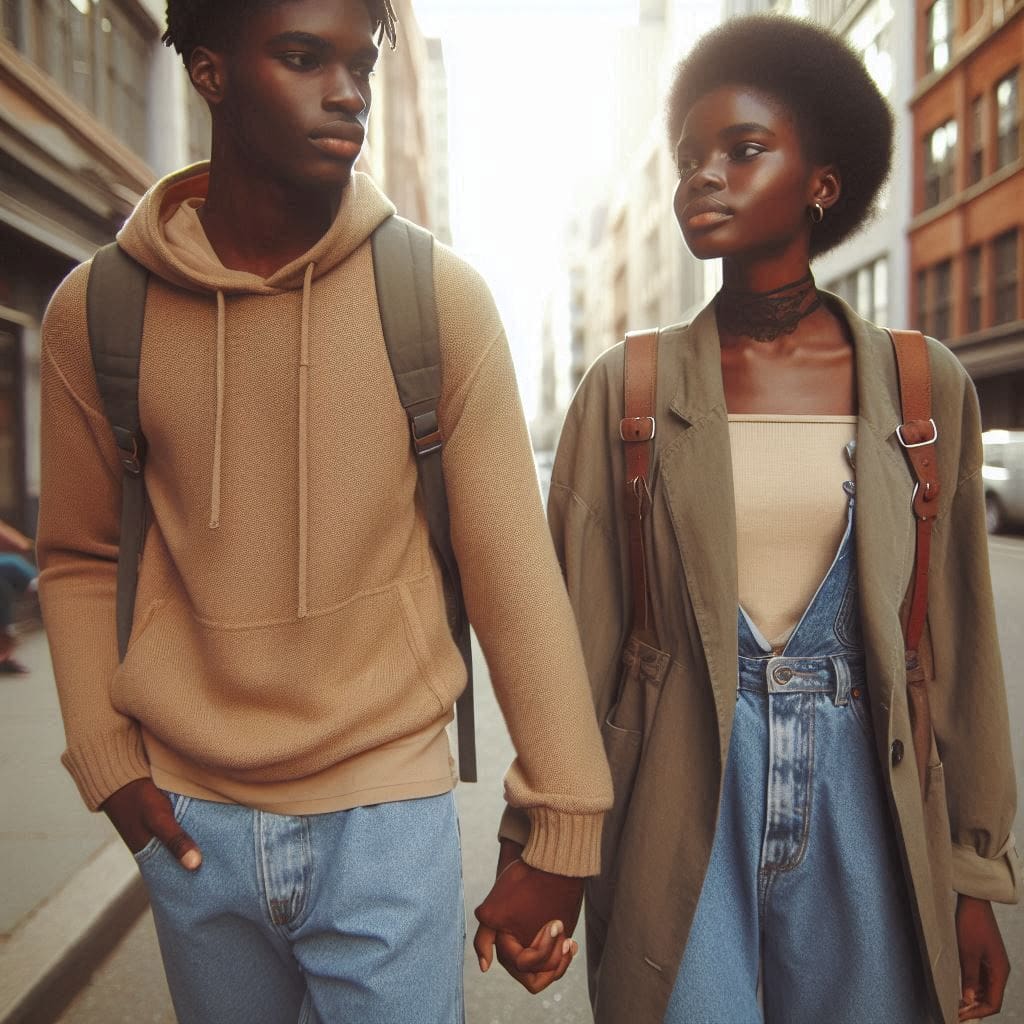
(667, 726)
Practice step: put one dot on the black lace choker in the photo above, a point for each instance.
(763, 316)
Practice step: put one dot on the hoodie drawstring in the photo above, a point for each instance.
(304, 440)
(219, 428)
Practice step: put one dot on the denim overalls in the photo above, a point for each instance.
(804, 875)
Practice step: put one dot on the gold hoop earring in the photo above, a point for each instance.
(817, 212)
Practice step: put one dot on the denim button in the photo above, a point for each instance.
(897, 752)
(783, 675)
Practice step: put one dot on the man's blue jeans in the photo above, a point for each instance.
(351, 917)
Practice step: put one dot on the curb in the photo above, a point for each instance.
(52, 954)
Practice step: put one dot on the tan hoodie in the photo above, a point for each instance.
(290, 648)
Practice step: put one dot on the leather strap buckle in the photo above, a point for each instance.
(132, 450)
(426, 433)
(637, 428)
(917, 444)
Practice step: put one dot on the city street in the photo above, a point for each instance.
(129, 987)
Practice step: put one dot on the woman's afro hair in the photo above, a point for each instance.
(192, 23)
(840, 115)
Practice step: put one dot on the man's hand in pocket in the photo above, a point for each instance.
(140, 811)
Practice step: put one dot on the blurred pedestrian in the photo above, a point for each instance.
(17, 577)
(774, 852)
(273, 746)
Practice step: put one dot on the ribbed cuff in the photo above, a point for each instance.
(564, 844)
(996, 879)
(515, 825)
(105, 764)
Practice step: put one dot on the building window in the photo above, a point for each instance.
(1007, 120)
(977, 139)
(880, 291)
(939, 35)
(871, 35)
(1004, 250)
(12, 442)
(942, 299)
(939, 163)
(63, 44)
(10, 24)
(975, 289)
(99, 52)
(128, 54)
(866, 289)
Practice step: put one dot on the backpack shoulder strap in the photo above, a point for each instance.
(403, 267)
(637, 430)
(917, 435)
(115, 308)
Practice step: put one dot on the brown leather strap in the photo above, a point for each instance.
(917, 435)
(637, 430)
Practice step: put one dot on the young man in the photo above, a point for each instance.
(272, 747)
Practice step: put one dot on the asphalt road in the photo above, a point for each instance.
(129, 988)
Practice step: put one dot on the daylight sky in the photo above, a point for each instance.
(529, 89)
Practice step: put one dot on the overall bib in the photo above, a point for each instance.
(804, 890)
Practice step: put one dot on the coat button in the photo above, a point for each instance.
(897, 752)
(783, 675)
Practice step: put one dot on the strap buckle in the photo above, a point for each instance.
(426, 433)
(131, 447)
(637, 428)
(919, 444)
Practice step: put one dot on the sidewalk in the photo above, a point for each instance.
(69, 886)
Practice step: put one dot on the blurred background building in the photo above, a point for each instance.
(966, 237)
(93, 109)
(944, 254)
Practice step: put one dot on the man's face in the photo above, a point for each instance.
(297, 91)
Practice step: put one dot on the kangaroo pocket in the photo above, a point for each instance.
(279, 702)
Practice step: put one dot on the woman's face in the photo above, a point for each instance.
(745, 184)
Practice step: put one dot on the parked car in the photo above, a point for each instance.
(1003, 473)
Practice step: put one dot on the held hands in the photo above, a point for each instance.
(140, 811)
(528, 917)
(984, 965)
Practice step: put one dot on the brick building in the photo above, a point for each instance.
(966, 234)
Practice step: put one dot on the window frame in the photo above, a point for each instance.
(940, 176)
(942, 306)
(974, 288)
(1006, 279)
(931, 42)
(1010, 139)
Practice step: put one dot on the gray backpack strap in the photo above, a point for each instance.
(403, 266)
(115, 307)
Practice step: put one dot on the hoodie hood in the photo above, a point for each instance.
(165, 235)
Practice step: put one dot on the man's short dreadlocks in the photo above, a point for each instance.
(192, 23)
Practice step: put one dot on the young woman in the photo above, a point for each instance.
(771, 856)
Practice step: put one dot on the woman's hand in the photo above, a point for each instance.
(528, 918)
(984, 965)
(535, 966)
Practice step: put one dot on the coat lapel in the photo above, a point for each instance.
(695, 465)
(885, 524)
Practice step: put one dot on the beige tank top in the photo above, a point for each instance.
(791, 509)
